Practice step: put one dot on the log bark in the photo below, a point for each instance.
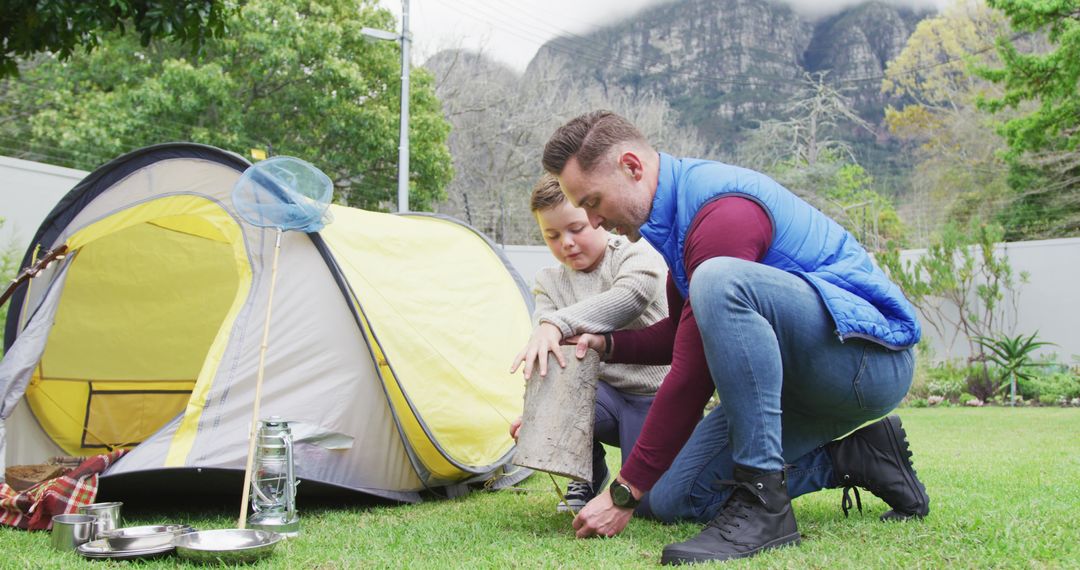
(557, 424)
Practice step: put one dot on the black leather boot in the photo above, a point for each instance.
(877, 458)
(756, 516)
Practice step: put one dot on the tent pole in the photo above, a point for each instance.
(258, 387)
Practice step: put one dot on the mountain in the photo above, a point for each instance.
(723, 65)
(694, 75)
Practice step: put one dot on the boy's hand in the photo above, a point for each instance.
(584, 342)
(515, 427)
(545, 338)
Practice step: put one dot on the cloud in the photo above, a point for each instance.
(821, 8)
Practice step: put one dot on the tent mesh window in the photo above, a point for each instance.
(116, 418)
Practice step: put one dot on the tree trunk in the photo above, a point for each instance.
(557, 425)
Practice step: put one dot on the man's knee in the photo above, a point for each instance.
(718, 282)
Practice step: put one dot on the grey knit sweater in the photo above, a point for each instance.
(626, 291)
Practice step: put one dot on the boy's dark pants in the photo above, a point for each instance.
(619, 417)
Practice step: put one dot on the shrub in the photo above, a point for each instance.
(970, 400)
(9, 268)
(1057, 386)
(1014, 356)
(917, 403)
(947, 380)
(980, 384)
(1049, 400)
(962, 283)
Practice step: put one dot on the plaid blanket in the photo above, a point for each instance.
(34, 508)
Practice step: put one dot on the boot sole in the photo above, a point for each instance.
(899, 442)
(676, 558)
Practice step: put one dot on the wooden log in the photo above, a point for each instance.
(557, 424)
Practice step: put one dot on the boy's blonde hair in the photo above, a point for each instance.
(546, 193)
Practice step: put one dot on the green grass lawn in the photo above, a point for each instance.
(1004, 487)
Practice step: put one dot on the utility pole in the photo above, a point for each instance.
(403, 144)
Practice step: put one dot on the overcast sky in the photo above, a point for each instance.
(512, 30)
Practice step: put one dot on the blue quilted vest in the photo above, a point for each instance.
(863, 302)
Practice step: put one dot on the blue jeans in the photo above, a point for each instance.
(787, 386)
(619, 417)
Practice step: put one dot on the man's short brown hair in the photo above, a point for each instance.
(546, 193)
(587, 137)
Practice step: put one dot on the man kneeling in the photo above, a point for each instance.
(781, 311)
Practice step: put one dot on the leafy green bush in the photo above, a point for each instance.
(1056, 386)
(953, 380)
(917, 403)
(965, 398)
(921, 375)
(947, 379)
(1048, 400)
(9, 267)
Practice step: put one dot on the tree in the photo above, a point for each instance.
(63, 26)
(1044, 144)
(501, 121)
(962, 284)
(816, 112)
(492, 142)
(959, 173)
(805, 154)
(294, 77)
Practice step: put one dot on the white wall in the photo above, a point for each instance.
(1049, 303)
(28, 192)
(529, 260)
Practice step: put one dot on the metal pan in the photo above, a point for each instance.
(227, 546)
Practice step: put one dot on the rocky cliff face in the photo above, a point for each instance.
(855, 46)
(725, 64)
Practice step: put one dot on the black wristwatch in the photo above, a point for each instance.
(622, 496)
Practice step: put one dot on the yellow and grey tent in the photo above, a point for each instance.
(389, 346)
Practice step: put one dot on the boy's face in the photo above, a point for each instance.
(571, 238)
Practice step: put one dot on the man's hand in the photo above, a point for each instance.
(601, 518)
(583, 342)
(515, 427)
(545, 338)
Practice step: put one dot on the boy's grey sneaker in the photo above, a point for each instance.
(578, 493)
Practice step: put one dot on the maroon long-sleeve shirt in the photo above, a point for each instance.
(727, 227)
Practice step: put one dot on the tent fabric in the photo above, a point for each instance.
(98, 182)
(388, 339)
(20, 361)
(415, 297)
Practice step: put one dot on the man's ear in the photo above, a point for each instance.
(631, 163)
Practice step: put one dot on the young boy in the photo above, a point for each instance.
(605, 283)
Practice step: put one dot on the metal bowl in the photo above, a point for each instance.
(143, 537)
(226, 546)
